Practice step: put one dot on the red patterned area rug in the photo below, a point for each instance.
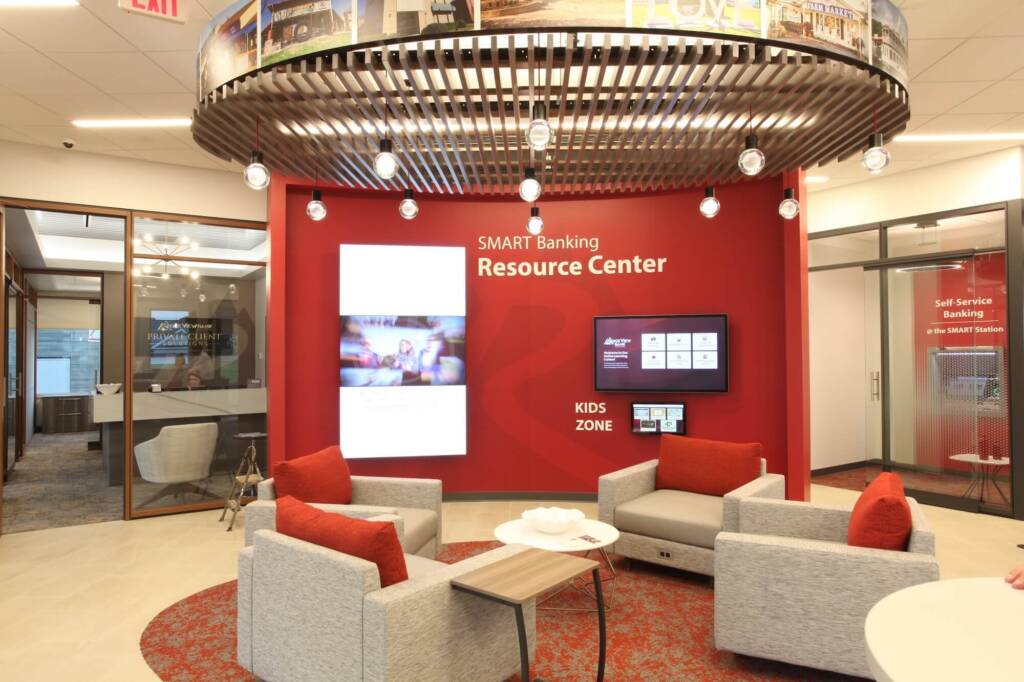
(660, 627)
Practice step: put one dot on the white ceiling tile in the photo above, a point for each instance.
(181, 64)
(924, 53)
(31, 73)
(938, 98)
(1009, 24)
(144, 139)
(977, 59)
(184, 136)
(146, 33)
(51, 136)
(14, 136)
(123, 154)
(212, 7)
(122, 72)
(70, 107)
(66, 29)
(181, 157)
(1013, 125)
(952, 18)
(963, 123)
(159, 105)
(961, 150)
(18, 110)
(917, 120)
(1004, 97)
(9, 43)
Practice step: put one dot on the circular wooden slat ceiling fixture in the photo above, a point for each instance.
(630, 110)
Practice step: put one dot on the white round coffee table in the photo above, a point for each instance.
(585, 536)
(947, 631)
(520, 532)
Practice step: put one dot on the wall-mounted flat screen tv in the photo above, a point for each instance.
(662, 353)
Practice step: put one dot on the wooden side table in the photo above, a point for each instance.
(518, 579)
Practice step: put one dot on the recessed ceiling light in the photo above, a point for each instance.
(961, 137)
(815, 179)
(32, 4)
(131, 122)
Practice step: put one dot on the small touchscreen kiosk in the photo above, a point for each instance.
(657, 418)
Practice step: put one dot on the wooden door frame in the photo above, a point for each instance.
(129, 216)
(3, 371)
(129, 349)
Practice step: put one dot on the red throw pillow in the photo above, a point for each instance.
(320, 477)
(881, 517)
(375, 541)
(708, 467)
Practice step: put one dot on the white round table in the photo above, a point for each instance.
(520, 532)
(948, 630)
(983, 474)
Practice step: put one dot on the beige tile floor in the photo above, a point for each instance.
(74, 601)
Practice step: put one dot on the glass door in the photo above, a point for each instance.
(948, 427)
(13, 440)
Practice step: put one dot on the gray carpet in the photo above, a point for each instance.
(59, 482)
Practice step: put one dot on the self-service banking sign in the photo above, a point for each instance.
(171, 10)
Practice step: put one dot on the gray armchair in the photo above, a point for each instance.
(310, 613)
(416, 501)
(673, 527)
(789, 588)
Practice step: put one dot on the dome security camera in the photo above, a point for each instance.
(68, 143)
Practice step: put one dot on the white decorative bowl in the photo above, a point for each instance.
(108, 389)
(552, 520)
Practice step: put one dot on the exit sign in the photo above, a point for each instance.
(171, 10)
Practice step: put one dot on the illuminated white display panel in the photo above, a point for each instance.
(402, 386)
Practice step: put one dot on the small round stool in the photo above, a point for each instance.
(247, 475)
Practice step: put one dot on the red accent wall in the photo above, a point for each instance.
(529, 340)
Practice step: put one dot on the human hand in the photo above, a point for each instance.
(1016, 577)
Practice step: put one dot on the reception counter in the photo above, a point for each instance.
(181, 404)
(234, 410)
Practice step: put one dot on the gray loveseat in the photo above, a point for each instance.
(673, 527)
(416, 501)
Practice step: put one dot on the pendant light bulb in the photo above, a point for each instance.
(385, 164)
(538, 133)
(256, 175)
(535, 225)
(530, 188)
(408, 208)
(316, 209)
(752, 159)
(710, 205)
(876, 158)
(789, 207)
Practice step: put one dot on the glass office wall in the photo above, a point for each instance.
(909, 358)
(198, 311)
